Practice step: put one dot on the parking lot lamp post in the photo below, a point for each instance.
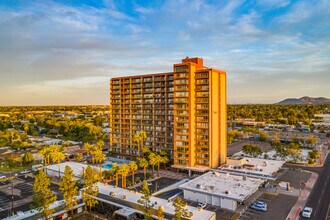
(12, 196)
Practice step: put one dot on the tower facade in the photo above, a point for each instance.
(182, 112)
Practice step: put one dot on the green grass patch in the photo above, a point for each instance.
(7, 168)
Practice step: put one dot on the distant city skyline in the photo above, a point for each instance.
(65, 52)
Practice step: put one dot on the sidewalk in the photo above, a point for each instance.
(294, 213)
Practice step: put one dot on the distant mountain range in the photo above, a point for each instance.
(305, 100)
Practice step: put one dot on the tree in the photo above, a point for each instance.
(252, 150)
(280, 149)
(115, 169)
(294, 151)
(57, 155)
(263, 136)
(133, 167)
(145, 202)
(152, 161)
(139, 137)
(43, 197)
(99, 158)
(28, 158)
(88, 147)
(46, 153)
(179, 209)
(159, 159)
(311, 141)
(143, 163)
(69, 189)
(124, 169)
(79, 157)
(160, 214)
(90, 188)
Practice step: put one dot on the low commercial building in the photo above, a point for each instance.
(220, 189)
(78, 169)
(253, 167)
(127, 201)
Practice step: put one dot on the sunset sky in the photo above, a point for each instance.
(65, 52)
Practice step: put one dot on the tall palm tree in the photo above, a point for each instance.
(88, 147)
(143, 163)
(158, 159)
(124, 170)
(58, 155)
(45, 152)
(99, 158)
(115, 169)
(152, 161)
(139, 137)
(133, 167)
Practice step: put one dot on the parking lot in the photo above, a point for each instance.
(294, 177)
(159, 184)
(278, 208)
(20, 197)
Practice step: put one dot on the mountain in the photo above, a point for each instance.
(305, 100)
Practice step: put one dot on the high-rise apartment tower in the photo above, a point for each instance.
(182, 112)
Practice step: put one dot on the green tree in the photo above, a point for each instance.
(133, 167)
(69, 189)
(124, 169)
(99, 158)
(152, 161)
(145, 202)
(28, 158)
(143, 163)
(139, 137)
(179, 209)
(57, 155)
(90, 188)
(263, 137)
(160, 213)
(43, 197)
(311, 141)
(294, 151)
(114, 169)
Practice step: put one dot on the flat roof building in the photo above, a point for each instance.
(254, 167)
(182, 112)
(220, 189)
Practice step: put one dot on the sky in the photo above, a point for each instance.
(65, 52)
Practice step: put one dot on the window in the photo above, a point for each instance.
(181, 69)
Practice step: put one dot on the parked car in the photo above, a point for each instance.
(261, 203)
(258, 207)
(25, 171)
(2, 177)
(201, 205)
(307, 212)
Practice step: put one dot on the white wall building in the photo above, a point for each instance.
(220, 189)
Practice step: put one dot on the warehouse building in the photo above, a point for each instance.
(220, 189)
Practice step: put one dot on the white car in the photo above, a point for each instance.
(201, 205)
(307, 212)
(2, 177)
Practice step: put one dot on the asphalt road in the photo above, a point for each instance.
(319, 198)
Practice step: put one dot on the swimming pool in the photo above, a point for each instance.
(107, 166)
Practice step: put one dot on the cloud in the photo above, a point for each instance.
(270, 49)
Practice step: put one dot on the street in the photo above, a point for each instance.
(319, 198)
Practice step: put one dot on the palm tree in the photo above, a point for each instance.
(58, 155)
(152, 161)
(124, 171)
(88, 147)
(139, 137)
(143, 163)
(99, 157)
(133, 167)
(45, 152)
(159, 159)
(115, 169)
